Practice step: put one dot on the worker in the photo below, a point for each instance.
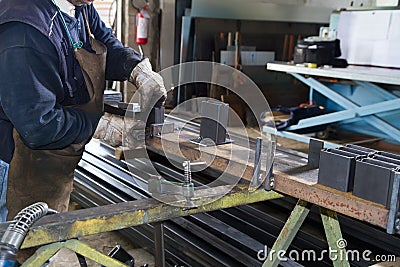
(54, 64)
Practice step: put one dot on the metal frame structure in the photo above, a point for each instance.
(292, 226)
(352, 109)
(58, 228)
(72, 225)
(53, 230)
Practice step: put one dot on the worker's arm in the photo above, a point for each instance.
(124, 63)
(120, 59)
(31, 90)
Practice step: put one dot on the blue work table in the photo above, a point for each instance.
(359, 104)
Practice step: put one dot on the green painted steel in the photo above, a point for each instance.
(288, 232)
(46, 252)
(337, 244)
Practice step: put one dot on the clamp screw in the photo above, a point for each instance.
(397, 224)
(188, 185)
(187, 169)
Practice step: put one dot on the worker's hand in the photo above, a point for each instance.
(117, 130)
(150, 85)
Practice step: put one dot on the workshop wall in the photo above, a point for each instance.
(324, 3)
(151, 48)
(108, 10)
(333, 4)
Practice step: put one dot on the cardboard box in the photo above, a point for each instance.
(250, 58)
(228, 58)
(370, 37)
(257, 58)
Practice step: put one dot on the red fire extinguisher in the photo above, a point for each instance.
(142, 26)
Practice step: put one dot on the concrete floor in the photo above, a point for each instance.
(104, 243)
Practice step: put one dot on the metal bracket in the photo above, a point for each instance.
(269, 179)
(256, 181)
(213, 124)
(160, 186)
(314, 150)
(393, 225)
(158, 129)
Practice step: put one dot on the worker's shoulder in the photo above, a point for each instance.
(22, 35)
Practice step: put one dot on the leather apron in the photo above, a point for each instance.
(48, 175)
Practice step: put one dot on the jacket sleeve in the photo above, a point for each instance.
(120, 60)
(31, 90)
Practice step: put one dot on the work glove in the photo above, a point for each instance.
(118, 130)
(150, 85)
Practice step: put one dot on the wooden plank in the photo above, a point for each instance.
(292, 177)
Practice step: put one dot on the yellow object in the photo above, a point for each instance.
(46, 252)
(106, 218)
(311, 65)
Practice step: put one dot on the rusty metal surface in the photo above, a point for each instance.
(293, 177)
(332, 199)
(64, 226)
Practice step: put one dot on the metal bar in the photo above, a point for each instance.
(46, 252)
(373, 120)
(42, 255)
(370, 74)
(90, 253)
(310, 95)
(341, 202)
(324, 119)
(64, 226)
(378, 107)
(382, 92)
(393, 225)
(337, 244)
(183, 56)
(159, 255)
(288, 233)
(384, 127)
(257, 176)
(326, 91)
(314, 151)
(298, 137)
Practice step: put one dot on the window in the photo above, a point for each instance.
(106, 9)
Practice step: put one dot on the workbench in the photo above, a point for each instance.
(352, 97)
(292, 175)
(295, 176)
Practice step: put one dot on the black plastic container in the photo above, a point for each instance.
(318, 52)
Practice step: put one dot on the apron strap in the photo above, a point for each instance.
(86, 23)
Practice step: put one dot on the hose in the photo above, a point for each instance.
(17, 230)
